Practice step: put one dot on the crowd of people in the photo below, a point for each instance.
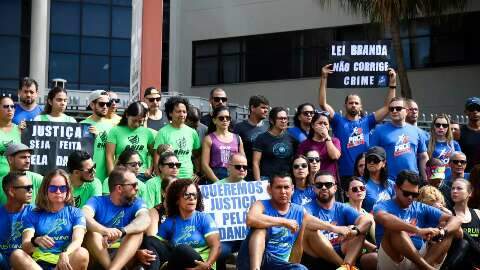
(353, 191)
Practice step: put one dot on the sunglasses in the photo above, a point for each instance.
(327, 185)
(133, 185)
(224, 118)
(358, 189)
(91, 170)
(313, 159)
(409, 193)
(473, 108)
(115, 100)
(192, 195)
(28, 188)
(218, 99)
(308, 113)
(372, 159)
(135, 163)
(396, 108)
(154, 99)
(298, 166)
(458, 161)
(6, 107)
(439, 125)
(55, 189)
(240, 167)
(104, 104)
(282, 118)
(171, 165)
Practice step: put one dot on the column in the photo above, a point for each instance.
(39, 44)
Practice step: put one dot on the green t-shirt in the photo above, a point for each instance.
(6, 138)
(103, 126)
(183, 140)
(87, 190)
(225, 181)
(49, 118)
(154, 191)
(141, 193)
(138, 139)
(36, 182)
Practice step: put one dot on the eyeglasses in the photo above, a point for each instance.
(282, 118)
(6, 107)
(133, 185)
(320, 185)
(55, 189)
(171, 165)
(224, 118)
(28, 188)
(358, 189)
(473, 107)
(308, 113)
(396, 108)
(458, 161)
(104, 104)
(240, 167)
(218, 99)
(439, 125)
(192, 195)
(154, 99)
(115, 100)
(409, 193)
(135, 163)
(298, 166)
(372, 159)
(313, 159)
(91, 170)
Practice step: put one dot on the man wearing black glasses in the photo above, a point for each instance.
(402, 142)
(457, 163)
(82, 177)
(116, 222)
(112, 115)
(237, 169)
(343, 249)
(156, 118)
(470, 133)
(19, 189)
(409, 233)
(218, 98)
(99, 102)
(354, 128)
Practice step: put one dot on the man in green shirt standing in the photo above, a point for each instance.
(82, 176)
(18, 156)
(99, 102)
(237, 169)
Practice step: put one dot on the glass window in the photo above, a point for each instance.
(205, 49)
(62, 43)
(96, 20)
(122, 2)
(96, 46)
(121, 47)
(97, 1)
(65, 18)
(230, 47)
(206, 71)
(10, 16)
(94, 69)
(124, 89)
(121, 22)
(93, 86)
(62, 65)
(10, 55)
(231, 68)
(120, 71)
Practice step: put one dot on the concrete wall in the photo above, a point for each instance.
(439, 89)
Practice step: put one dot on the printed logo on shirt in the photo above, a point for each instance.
(402, 146)
(117, 219)
(356, 138)
(5, 146)
(472, 231)
(58, 226)
(305, 200)
(103, 140)
(77, 201)
(281, 150)
(16, 233)
(134, 139)
(225, 151)
(412, 221)
(444, 155)
(279, 234)
(182, 149)
(331, 236)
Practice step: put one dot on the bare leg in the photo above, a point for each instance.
(256, 247)
(79, 259)
(317, 245)
(369, 261)
(352, 248)
(436, 252)
(21, 260)
(126, 251)
(93, 242)
(398, 245)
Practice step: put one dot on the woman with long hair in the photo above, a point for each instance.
(9, 132)
(301, 122)
(168, 165)
(219, 145)
(441, 144)
(131, 134)
(379, 187)
(54, 230)
(55, 107)
(313, 159)
(273, 150)
(359, 165)
(319, 140)
(303, 192)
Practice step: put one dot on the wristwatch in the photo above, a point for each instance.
(355, 228)
(123, 231)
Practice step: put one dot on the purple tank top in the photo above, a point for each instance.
(220, 152)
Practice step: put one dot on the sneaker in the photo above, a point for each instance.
(346, 266)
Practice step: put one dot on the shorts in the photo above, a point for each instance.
(386, 263)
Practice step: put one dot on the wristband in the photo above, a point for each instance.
(355, 228)
(392, 86)
(123, 231)
(33, 241)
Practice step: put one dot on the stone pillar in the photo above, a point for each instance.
(39, 37)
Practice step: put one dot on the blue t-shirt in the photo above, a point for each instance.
(21, 114)
(354, 138)
(444, 150)
(339, 215)
(59, 226)
(11, 226)
(304, 196)
(424, 135)
(376, 192)
(281, 239)
(401, 144)
(297, 133)
(417, 214)
(111, 215)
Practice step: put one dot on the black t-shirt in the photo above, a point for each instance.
(249, 133)
(470, 144)
(277, 152)
(157, 124)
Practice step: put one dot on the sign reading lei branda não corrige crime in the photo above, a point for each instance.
(359, 64)
(52, 142)
(228, 205)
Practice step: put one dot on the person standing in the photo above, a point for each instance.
(412, 118)
(301, 122)
(156, 118)
(9, 132)
(470, 133)
(27, 108)
(55, 107)
(112, 110)
(218, 98)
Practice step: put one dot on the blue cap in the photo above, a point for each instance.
(472, 101)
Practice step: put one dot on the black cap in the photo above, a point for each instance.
(376, 151)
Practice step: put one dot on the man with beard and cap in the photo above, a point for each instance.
(99, 102)
(412, 118)
(27, 108)
(116, 222)
(353, 129)
(470, 133)
(82, 176)
(156, 118)
(218, 98)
